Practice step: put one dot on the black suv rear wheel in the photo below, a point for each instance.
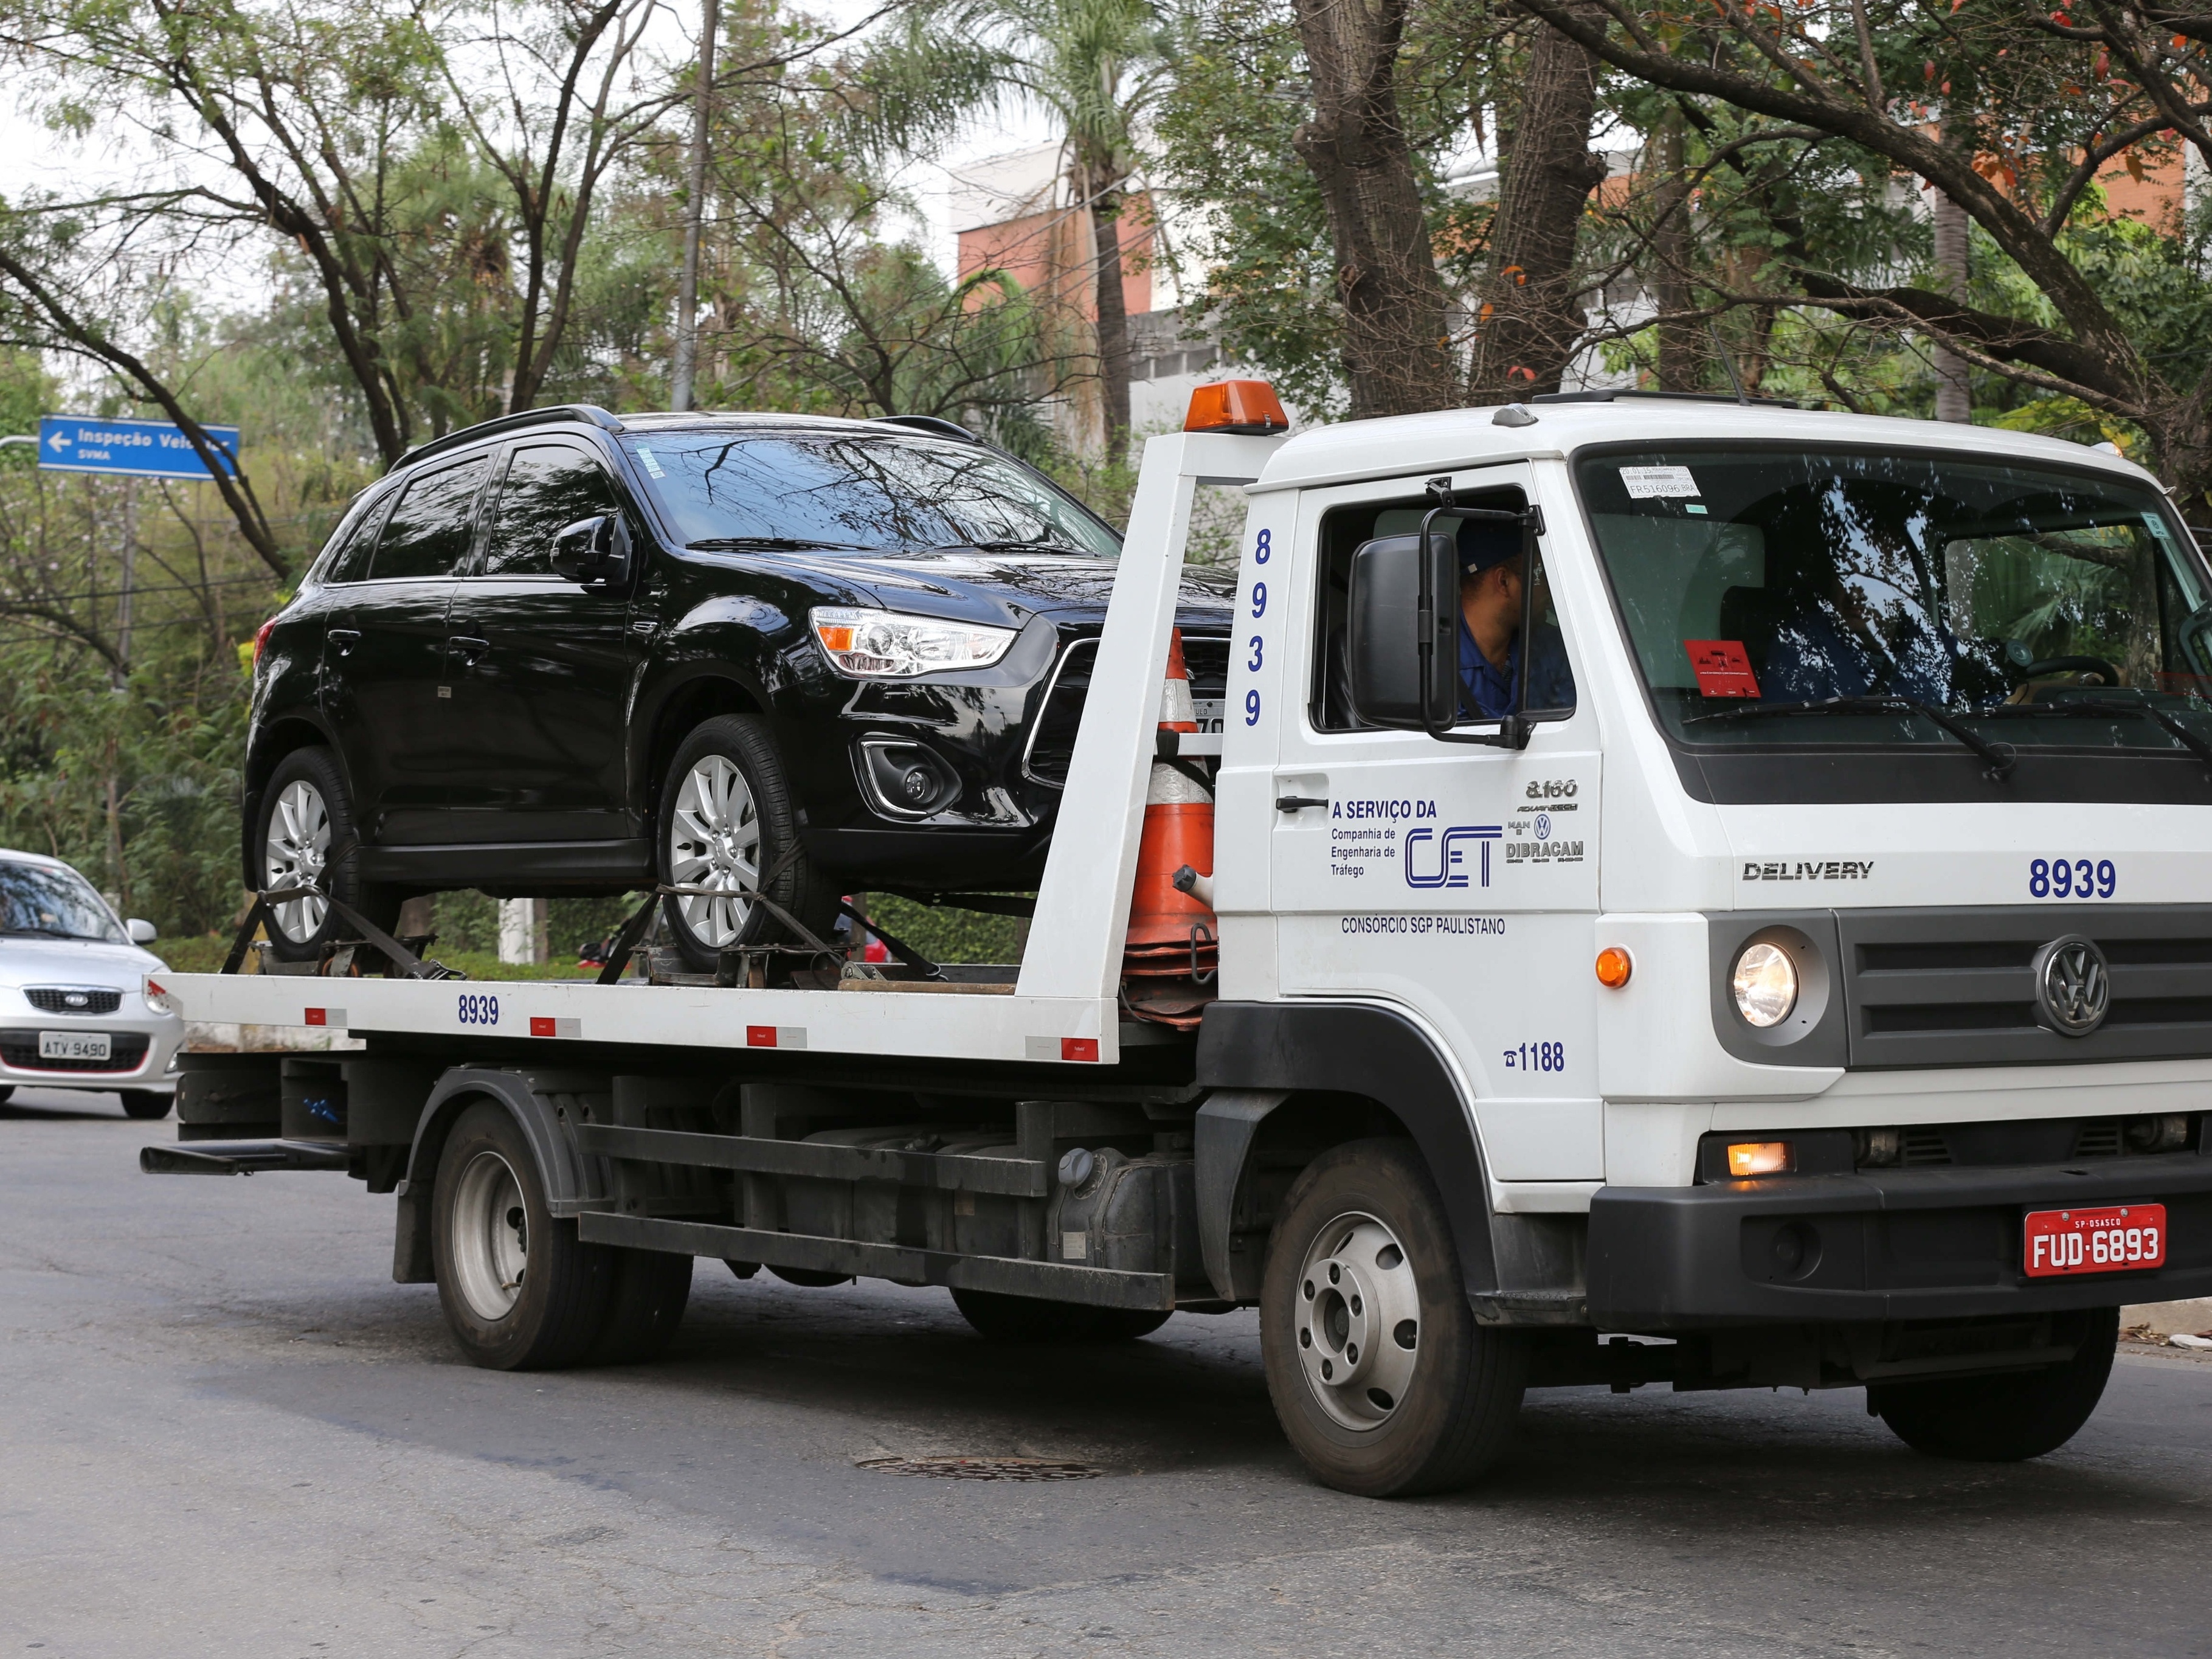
(305, 815)
(725, 821)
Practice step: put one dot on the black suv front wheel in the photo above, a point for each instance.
(726, 821)
(307, 818)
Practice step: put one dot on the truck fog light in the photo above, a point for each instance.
(1764, 983)
(2166, 1133)
(1760, 1158)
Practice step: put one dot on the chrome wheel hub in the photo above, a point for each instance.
(491, 1237)
(1358, 1320)
(298, 850)
(715, 843)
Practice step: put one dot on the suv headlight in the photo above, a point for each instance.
(886, 645)
(1764, 983)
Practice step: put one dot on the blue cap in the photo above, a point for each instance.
(1485, 544)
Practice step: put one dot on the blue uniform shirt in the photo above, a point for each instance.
(1487, 691)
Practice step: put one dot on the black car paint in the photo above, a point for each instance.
(510, 781)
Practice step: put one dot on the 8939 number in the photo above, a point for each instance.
(477, 1010)
(2072, 879)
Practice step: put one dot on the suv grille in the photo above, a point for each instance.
(1051, 733)
(1956, 987)
(72, 1000)
(20, 1049)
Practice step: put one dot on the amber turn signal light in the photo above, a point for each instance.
(1249, 407)
(1760, 1158)
(1614, 967)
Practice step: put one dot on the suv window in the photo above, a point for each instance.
(348, 560)
(427, 532)
(548, 488)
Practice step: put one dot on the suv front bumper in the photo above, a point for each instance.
(1941, 1243)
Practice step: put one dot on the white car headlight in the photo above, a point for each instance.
(1764, 983)
(886, 645)
(159, 999)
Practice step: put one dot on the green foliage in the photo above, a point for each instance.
(944, 934)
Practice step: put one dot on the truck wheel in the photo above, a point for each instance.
(2003, 1419)
(644, 1306)
(520, 1290)
(1380, 1377)
(304, 813)
(1032, 1319)
(147, 1105)
(726, 817)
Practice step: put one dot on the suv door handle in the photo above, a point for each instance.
(345, 638)
(469, 649)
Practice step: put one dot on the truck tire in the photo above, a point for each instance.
(2003, 1419)
(1382, 1380)
(147, 1105)
(305, 814)
(521, 1291)
(726, 819)
(1034, 1319)
(645, 1304)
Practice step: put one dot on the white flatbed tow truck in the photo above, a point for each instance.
(1808, 982)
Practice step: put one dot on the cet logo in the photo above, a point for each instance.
(2073, 986)
(1449, 868)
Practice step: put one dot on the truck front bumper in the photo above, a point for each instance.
(1940, 1244)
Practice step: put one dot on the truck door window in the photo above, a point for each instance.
(428, 531)
(1343, 531)
(547, 487)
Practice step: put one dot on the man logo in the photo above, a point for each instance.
(2073, 986)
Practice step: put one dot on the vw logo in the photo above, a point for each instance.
(2073, 986)
(1543, 826)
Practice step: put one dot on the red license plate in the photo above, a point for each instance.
(2119, 1239)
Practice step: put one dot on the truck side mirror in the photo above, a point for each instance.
(1394, 682)
(594, 552)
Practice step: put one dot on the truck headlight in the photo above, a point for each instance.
(886, 645)
(1764, 983)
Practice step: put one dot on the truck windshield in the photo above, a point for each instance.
(780, 491)
(1812, 598)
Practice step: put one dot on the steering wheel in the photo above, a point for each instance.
(2070, 665)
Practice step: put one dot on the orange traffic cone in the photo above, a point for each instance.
(1169, 964)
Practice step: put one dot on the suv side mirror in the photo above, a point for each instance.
(594, 552)
(1404, 657)
(141, 933)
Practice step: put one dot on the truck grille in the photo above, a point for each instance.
(20, 1049)
(72, 1000)
(1051, 733)
(1956, 987)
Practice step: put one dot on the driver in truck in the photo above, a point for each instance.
(1493, 571)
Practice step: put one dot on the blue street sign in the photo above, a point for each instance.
(138, 449)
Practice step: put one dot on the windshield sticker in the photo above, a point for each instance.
(1722, 668)
(651, 465)
(1649, 482)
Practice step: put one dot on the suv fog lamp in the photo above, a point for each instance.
(1765, 984)
(1760, 1158)
(886, 645)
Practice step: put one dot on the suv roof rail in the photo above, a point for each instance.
(591, 414)
(935, 424)
(1612, 393)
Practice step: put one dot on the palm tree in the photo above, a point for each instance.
(1095, 66)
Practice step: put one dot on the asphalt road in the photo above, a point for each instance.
(223, 1431)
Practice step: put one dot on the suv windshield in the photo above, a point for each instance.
(839, 490)
(1808, 598)
(45, 903)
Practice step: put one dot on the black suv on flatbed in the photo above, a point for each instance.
(565, 652)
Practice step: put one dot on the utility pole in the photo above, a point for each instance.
(687, 292)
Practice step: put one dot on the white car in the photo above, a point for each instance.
(73, 1008)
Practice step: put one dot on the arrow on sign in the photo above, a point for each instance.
(60, 441)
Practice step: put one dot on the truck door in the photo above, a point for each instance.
(542, 667)
(385, 657)
(1460, 882)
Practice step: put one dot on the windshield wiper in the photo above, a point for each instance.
(773, 545)
(2000, 755)
(1012, 547)
(2105, 709)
